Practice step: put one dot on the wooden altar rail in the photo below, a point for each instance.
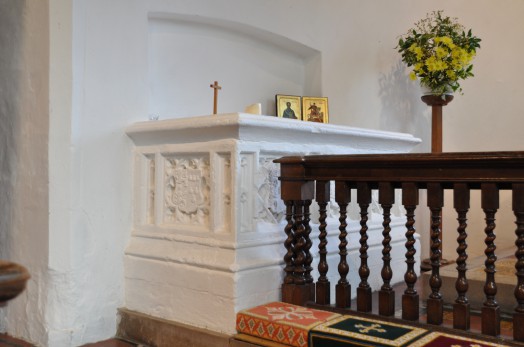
(306, 178)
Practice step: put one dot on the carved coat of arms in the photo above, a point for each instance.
(188, 196)
(187, 191)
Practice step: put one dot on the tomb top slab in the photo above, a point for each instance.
(248, 127)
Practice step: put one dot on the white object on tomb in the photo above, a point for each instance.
(207, 237)
(254, 109)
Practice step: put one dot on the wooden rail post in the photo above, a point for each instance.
(434, 302)
(364, 301)
(410, 298)
(323, 286)
(490, 309)
(461, 310)
(343, 288)
(386, 295)
(297, 195)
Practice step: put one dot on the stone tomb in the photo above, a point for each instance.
(207, 238)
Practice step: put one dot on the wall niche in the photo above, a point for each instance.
(187, 53)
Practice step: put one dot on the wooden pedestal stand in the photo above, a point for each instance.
(436, 102)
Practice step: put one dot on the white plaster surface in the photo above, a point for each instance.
(100, 82)
(24, 120)
(186, 264)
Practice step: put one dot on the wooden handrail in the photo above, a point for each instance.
(421, 168)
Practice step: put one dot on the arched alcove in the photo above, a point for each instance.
(187, 53)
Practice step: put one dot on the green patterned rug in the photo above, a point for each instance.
(348, 331)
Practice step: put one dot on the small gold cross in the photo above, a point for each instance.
(366, 329)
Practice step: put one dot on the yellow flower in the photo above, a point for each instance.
(451, 74)
(441, 52)
(418, 67)
(417, 50)
(456, 64)
(446, 40)
(419, 53)
(430, 63)
(461, 57)
(435, 64)
(441, 65)
(412, 76)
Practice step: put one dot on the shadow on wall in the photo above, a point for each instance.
(11, 36)
(402, 109)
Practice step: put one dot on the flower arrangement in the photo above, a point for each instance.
(440, 51)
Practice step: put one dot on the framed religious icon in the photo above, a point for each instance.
(288, 106)
(315, 109)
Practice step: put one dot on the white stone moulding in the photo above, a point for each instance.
(208, 218)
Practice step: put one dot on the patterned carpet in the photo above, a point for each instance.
(279, 324)
(358, 331)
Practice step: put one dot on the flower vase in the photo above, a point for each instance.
(428, 91)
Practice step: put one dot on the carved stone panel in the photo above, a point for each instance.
(260, 200)
(246, 206)
(187, 189)
(221, 190)
(268, 204)
(151, 187)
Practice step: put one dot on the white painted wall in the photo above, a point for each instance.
(105, 87)
(24, 120)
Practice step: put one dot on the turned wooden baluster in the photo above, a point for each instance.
(434, 302)
(299, 230)
(322, 285)
(386, 295)
(343, 288)
(298, 292)
(410, 298)
(307, 249)
(490, 309)
(518, 209)
(288, 257)
(364, 289)
(461, 309)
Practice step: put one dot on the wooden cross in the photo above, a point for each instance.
(216, 88)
